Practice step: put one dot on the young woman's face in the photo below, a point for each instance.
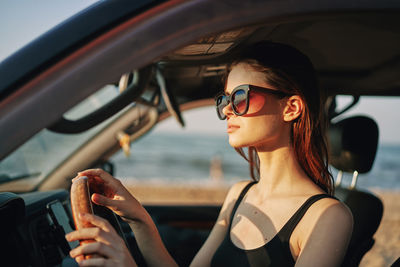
(263, 125)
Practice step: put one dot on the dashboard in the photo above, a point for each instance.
(33, 226)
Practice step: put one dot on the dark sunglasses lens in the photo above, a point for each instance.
(239, 101)
(221, 103)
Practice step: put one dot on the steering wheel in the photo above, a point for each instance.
(81, 190)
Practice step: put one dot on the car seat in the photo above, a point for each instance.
(353, 144)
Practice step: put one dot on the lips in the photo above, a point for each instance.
(232, 127)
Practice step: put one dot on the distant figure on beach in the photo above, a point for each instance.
(285, 214)
(216, 171)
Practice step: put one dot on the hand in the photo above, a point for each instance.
(114, 195)
(108, 245)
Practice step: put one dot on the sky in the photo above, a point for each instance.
(23, 20)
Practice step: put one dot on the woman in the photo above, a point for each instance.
(287, 215)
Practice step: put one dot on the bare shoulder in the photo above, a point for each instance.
(327, 215)
(332, 209)
(327, 226)
(238, 187)
(331, 213)
(235, 191)
(231, 198)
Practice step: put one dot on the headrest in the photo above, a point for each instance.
(353, 143)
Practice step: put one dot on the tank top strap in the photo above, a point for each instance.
(287, 229)
(240, 198)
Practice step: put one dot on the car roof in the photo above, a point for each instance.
(353, 44)
(346, 40)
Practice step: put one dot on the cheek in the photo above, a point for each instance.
(256, 103)
(261, 124)
(256, 130)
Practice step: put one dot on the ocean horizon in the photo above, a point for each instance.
(201, 159)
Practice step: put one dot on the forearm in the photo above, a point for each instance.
(150, 243)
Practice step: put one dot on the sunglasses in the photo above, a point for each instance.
(239, 99)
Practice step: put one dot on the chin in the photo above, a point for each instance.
(237, 143)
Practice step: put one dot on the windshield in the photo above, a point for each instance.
(40, 154)
(46, 150)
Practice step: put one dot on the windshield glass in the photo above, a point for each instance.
(44, 151)
(40, 154)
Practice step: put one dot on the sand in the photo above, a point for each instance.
(387, 239)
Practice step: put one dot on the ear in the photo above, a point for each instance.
(293, 108)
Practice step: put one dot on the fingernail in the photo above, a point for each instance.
(79, 258)
(72, 253)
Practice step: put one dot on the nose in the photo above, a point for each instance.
(227, 110)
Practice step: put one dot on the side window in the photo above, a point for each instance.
(176, 162)
(194, 164)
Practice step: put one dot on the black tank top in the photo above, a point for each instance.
(274, 253)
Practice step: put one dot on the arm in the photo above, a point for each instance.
(219, 231)
(149, 241)
(327, 243)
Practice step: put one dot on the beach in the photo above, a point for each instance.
(387, 239)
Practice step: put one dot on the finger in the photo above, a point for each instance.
(79, 258)
(88, 176)
(93, 233)
(95, 262)
(76, 177)
(82, 234)
(102, 182)
(103, 200)
(105, 176)
(98, 221)
(97, 248)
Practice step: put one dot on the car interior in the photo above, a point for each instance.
(355, 53)
(354, 141)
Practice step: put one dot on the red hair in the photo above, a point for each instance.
(290, 71)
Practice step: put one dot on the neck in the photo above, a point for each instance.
(280, 172)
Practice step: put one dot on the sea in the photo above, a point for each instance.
(207, 159)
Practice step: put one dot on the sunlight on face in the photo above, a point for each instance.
(263, 122)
